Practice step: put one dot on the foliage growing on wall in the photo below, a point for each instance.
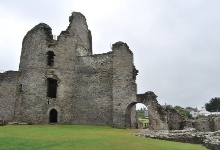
(183, 112)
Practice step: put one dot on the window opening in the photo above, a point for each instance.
(50, 58)
(51, 88)
(20, 88)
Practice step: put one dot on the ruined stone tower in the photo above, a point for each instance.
(61, 81)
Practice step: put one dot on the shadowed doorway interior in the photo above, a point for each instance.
(53, 116)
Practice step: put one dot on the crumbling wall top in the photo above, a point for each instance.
(41, 26)
(121, 45)
(77, 15)
(78, 33)
(75, 20)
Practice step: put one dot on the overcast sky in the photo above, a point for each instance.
(175, 42)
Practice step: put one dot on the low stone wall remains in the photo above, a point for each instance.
(210, 140)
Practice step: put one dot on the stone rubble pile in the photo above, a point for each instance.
(210, 140)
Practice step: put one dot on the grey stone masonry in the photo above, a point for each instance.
(8, 91)
(61, 81)
(211, 140)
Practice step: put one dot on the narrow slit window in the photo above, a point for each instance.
(20, 88)
(51, 88)
(50, 58)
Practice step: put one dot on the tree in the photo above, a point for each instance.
(140, 113)
(169, 106)
(183, 112)
(213, 105)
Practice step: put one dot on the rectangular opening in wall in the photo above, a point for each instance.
(20, 88)
(51, 88)
(50, 58)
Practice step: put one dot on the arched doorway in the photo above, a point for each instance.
(53, 116)
(131, 116)
(157, 115)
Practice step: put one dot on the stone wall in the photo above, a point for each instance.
(211, 140)
(34, 105)
(206, 124)
(157, 114)
(8, 90)
(216, 122)
(88, 89)
(174, 120)
(124, 86)
(134, 119)
(93, 92)
(91, 89)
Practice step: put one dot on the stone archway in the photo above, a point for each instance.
(131, 116)
(53, 116)
(157, 114)
(129, 120)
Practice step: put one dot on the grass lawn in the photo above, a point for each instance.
(64, 137)
(143, 121)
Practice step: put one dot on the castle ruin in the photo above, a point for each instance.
(61, 81)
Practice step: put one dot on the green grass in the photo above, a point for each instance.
(143, 120)
(57, 137)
